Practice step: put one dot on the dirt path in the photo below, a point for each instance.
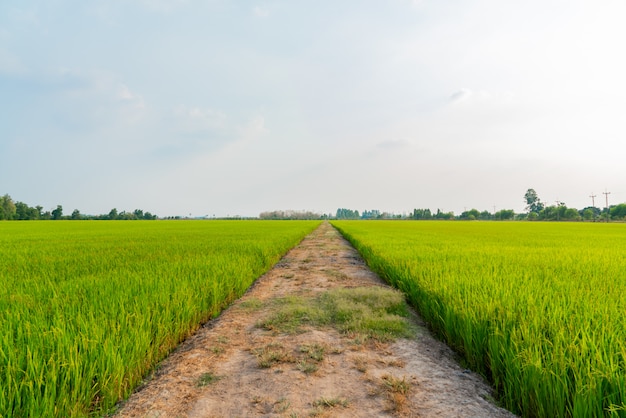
(219, 372)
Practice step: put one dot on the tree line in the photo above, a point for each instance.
(20, 211)
(536, 210)
(291, 214)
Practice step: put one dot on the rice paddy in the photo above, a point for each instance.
(88, 308)
(537, 308)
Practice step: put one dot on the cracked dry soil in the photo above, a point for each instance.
(218, 373)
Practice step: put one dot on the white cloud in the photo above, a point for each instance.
(125, 95)
(163, 6)
(470, 97)
(394, 144)
(448, 98)
(200, 120)
(254, 129)
(460, 95)
(260, 11)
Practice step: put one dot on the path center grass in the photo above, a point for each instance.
(373, 312)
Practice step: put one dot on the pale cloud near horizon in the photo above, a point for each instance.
(239, 108)
(260, 11)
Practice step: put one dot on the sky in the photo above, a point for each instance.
(215, 107)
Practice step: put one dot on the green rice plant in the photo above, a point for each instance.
(88, 308)
(537, 308)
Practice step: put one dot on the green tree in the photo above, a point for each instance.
(21, 211)
(444, 215)
(420, 214)
(113, 214)
(533, 203)
(571, 214)
(76, 215)
(24, 212)
(505, 214)
(7, 208)
(618, 211)
(57, 213)
(590, 213)
(371, 214)
(343, 213)
(471, 214)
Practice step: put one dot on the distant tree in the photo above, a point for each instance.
(7, 208)
(470, 215)
(422, 214)
(113, 214)
(588, 214)
(505, 214)
(286, 214)
(533, 203)
(618, 211)
(371, 214)
(548, 213)
(343, 213)
(57, 213)
(559, 212)
(126, 216)
(76, 215)
(444, 215)
(24, 212)
(571, 214)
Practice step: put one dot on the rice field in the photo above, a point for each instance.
(88, 308)
(537, 308)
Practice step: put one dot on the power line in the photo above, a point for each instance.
(593, 204)
(606, 195)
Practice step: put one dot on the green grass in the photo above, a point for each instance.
(325, 402)
(538, 308)
(88, 308)
(366, 312)
(206, 379)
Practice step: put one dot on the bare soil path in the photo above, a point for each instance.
(234, 367)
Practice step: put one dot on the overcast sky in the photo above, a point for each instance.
(219, 107)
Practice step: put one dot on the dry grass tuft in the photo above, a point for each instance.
(397, 391)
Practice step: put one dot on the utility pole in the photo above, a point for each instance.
(558, 206)
(606, 195)
(593, 205)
